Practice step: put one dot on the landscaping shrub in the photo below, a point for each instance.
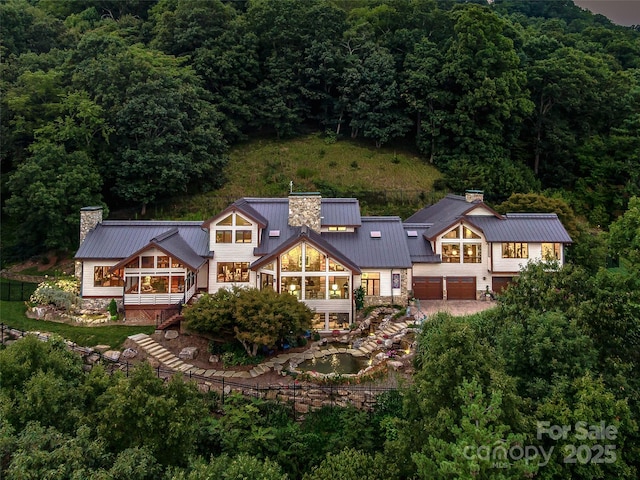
(60, 293)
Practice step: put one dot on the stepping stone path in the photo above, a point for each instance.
(168, 359)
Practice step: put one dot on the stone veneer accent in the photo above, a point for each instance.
(304, 210)
(401, 299)
(90, 217)
(473, 195)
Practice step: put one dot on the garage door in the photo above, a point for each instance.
(427, 288)
(500, 283)
(461, 288)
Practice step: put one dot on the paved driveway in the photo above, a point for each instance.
(455, 307)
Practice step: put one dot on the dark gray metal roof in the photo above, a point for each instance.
(339, 212)
(388, 251)
(444, 214)
(419, 247)
(115, 240)
(522, 227)
(173, 244)
(446, 210)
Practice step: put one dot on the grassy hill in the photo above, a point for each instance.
(386, 180)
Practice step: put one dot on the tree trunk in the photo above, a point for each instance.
(143, 211)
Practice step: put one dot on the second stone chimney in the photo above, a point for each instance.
(90, 217)
(304, 210)
(474, 195)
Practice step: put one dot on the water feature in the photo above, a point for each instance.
(337, 363)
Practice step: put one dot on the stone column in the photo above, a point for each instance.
(305, 210)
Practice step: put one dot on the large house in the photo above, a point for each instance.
(317, 249)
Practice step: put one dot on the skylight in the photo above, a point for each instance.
(274, 233)
(376, 234)
(412, 233)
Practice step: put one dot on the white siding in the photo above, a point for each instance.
(88, 290)
(508, 265)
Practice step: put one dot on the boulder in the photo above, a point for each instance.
(130, 353)
(188, 353)
(214, 358)
(171, 334)
(113, 355)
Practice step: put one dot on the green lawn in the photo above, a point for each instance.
(13, 314)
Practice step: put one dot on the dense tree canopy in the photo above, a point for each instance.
(506, 96)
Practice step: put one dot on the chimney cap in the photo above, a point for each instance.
(91, 209)
(474, 191)
(305, 194)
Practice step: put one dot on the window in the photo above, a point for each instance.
(175, 263)
(515, 250)
(451, 252)
(338, 287)
(233, 272)
(469, 234)
(551, 251)
(455, 233)
(292, 260)
(472, 253)
(314, 260)
(223, 236)
(148, 261)
(337, 229)
(177, 284)
(242, 222)
(266, 281)
(226, 221)
(135, 263)
(103, 278)
(163, 261)
(292, 286)
(152, 285)
(335, 267)
(371, 284)
(243, 236)
(315, 288)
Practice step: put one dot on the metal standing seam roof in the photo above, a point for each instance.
(419, 246)
(388, 251)
(446, 210)
(338, 212)
(522, 227)
(116, 240)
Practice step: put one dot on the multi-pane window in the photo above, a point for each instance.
(472, 253)
(233, 234)
(515, 250)
(371, 283)
(243, 236)
(451, 252)
(103, 278)
(467, 249)
(233, 272)
(292, 260)
(163, 261)
(223, 236)
(315, 261)
(337, 229)
(551, 251)
(147, 261)
(338, 287)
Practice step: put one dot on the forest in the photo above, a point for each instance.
(125, 102)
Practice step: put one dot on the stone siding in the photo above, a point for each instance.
(305, 210)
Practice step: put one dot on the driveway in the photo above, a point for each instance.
(455, 307)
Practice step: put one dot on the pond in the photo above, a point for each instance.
(338, 363)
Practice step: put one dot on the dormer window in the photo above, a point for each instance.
(337, 229)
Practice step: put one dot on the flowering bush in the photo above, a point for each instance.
(60, 293)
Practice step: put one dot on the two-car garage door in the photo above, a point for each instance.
(458, 288)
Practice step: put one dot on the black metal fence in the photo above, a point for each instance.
(12, 291)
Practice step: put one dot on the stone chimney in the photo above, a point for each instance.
(304, 210)
(90, 217)
(473, 195)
